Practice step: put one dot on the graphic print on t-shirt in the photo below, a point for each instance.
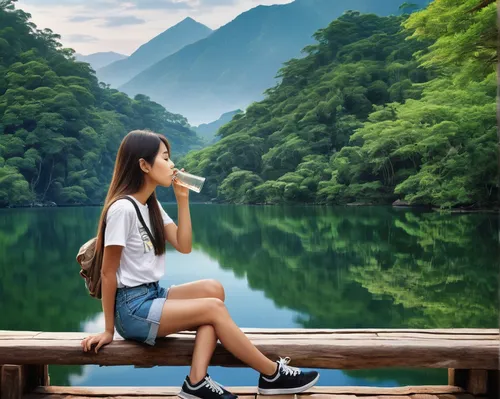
(148, 245)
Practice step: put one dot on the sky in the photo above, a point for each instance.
(90, 26)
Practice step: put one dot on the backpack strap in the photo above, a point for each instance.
(139, 215)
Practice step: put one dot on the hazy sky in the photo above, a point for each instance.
(90, 26)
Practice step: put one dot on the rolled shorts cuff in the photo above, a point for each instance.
(154, 317)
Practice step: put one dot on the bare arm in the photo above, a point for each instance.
(180, 237)
(110, 264)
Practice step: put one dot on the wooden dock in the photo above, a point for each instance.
(416, 392)
(470, 355)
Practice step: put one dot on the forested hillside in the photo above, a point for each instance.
(60, 129)
(234, 66)
(381, 108)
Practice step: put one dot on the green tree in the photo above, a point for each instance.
(60, 129)
(359, 62)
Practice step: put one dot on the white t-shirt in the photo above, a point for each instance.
(138, 262)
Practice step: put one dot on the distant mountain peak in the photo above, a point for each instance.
(188, 21)
(100, 59)
(168, 42)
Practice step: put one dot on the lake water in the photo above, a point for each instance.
(307, 267)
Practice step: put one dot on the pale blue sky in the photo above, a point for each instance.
(90, 26)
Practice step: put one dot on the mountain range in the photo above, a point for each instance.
(207, 131)
(173, 39)
(234, 65)
(100, 60)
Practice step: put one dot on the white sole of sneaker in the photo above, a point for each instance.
(185, 395)
(288, 390)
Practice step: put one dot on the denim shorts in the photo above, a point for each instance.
(138, 311)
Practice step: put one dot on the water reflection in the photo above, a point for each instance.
(362, 267)
(281, 266)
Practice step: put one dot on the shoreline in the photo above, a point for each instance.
(360, 205)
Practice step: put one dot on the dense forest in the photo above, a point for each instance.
(379, 109)
(60, 127)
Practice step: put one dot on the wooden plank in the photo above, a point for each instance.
(397, 397)
(172, 391)
(341, 354)
(35, 396)
(477, 382)
(253, 337)
(372, 336)
(456, 396)
(480, 331)
(11, 386)
(301, 396)
(17, 332)
(6, 334)
(306, 337)
(477, 333)
(329, 396)
(438, 336)
(445, 343)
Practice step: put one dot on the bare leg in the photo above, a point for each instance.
(206, 339)
(179, 315)
(204, 347)
(209, 315)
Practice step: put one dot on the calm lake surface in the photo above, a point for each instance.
(306, 267)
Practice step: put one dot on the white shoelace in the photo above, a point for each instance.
(213, 386)
(287, 370)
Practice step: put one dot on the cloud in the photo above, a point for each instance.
(179, 4)
(121, 21)
(208, 3)
(78, 38)
(76, 20)
(87, 4)
(81, 18)
(160, 4)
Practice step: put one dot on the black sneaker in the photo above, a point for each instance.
(205, 389)
(287, 380)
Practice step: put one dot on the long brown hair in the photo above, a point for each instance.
(128, 178)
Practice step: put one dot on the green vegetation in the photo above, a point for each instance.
(60, 129)
(380, 108)
(361, 267)
(40, 288)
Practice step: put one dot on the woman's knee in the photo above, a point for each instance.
(215, 289)
(216, 309)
